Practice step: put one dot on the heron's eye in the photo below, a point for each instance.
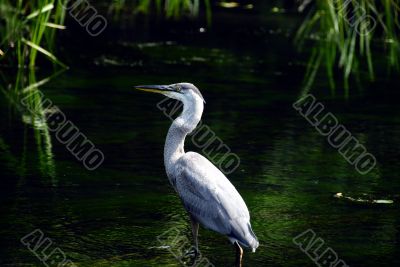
(178, 88)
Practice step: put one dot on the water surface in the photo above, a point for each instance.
(287, 176)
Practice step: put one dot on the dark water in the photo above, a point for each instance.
(288, 173)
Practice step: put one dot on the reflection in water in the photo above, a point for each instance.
(26, 99)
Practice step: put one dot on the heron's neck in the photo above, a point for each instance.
(183, 125)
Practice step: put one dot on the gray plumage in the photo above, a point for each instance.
(206, 193)
(212, 200)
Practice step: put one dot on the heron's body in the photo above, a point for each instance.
(208, 196)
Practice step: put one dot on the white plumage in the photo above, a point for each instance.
(207, 195)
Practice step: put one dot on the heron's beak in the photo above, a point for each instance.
(154, 88)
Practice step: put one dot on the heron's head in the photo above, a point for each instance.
(185, 92)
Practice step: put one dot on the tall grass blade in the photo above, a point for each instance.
(36, 13)
(44, 51)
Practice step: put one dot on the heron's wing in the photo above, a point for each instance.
(208, 195)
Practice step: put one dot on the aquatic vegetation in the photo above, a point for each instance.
(24, 97)
(345, 36)
(28, 28)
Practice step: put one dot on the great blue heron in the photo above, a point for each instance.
(207, 195)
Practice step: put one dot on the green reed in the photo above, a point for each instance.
(28, 28)
(345, 38)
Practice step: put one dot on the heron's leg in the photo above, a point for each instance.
(195, 232)
(239, 254)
